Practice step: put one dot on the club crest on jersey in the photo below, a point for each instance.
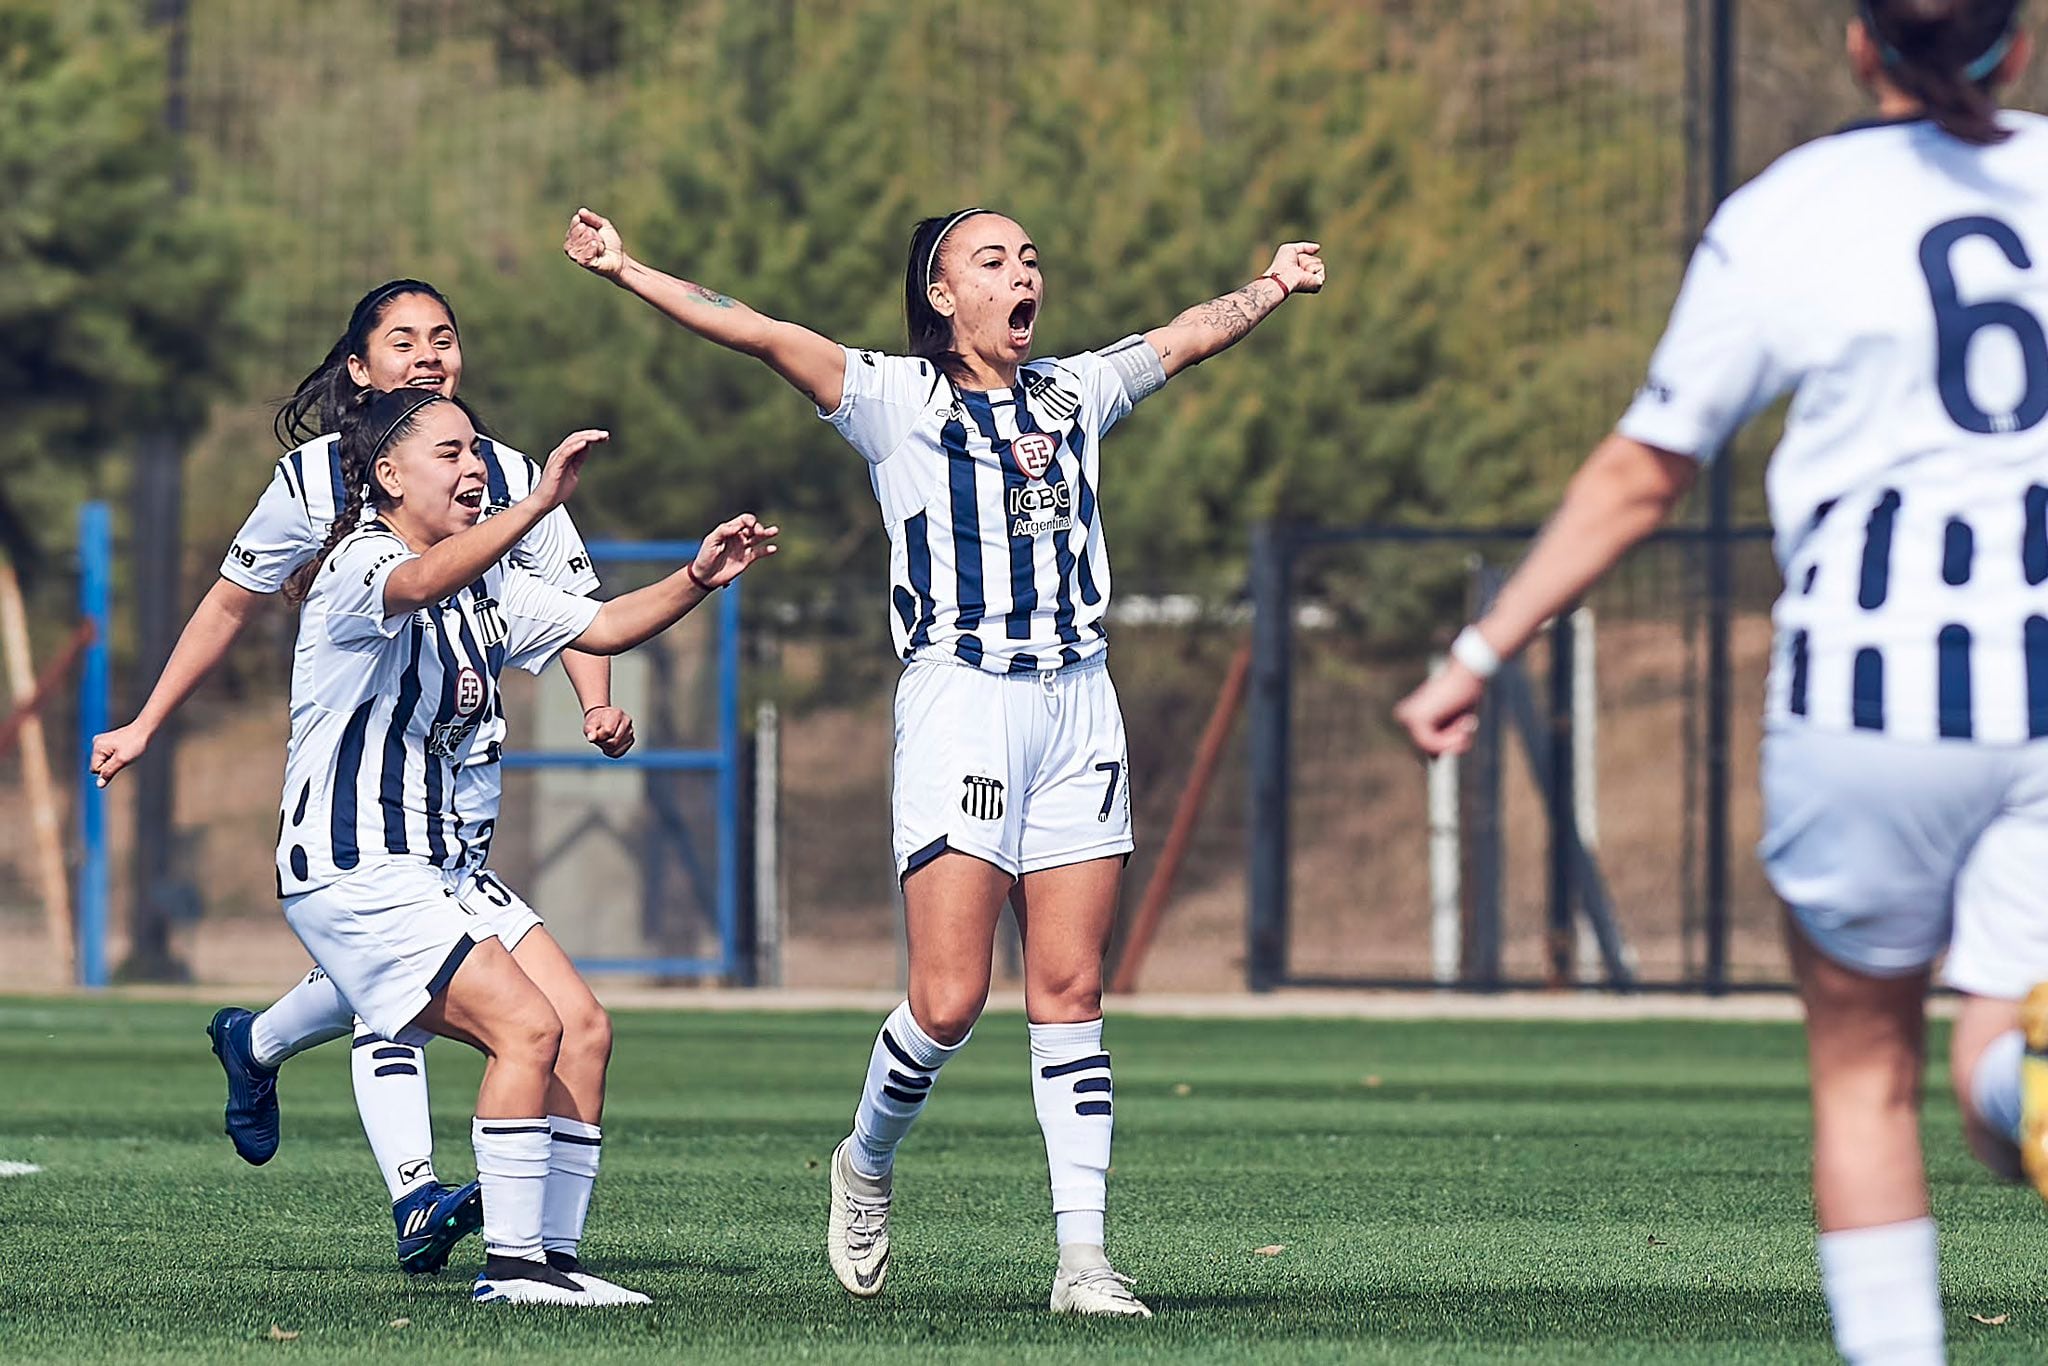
(1032, 453)
(1050, 397)
(983, 798)
(490, 624)
(469, 691)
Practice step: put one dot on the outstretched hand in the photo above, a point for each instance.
(593, 243)
(565, 466)
(731, 547)
(1299, 266)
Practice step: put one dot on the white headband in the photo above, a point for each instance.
(931, 259)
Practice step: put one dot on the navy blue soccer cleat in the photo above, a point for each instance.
(431, 1221)
(252, 1087)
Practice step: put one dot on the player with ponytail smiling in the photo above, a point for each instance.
(408, 618)
(402, 334)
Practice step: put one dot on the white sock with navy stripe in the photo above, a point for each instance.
(391, 1097)
(512, 1163)
(572, 1173)
(901, 1069)
(310, 1013)
(1070, 1088)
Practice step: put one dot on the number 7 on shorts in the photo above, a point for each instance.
(1114, 770)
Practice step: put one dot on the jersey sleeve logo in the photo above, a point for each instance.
(1032, 452)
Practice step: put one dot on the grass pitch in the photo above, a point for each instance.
(1437, 1192)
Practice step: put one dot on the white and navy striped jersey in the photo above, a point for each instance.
(1892, 278)
(290, 521)
(996, 551)
(387, 709)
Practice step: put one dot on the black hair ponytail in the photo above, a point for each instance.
(316, 406)
(1946, 54)
(931, 332)
(371, 421)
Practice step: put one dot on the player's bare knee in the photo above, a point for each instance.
(1066, 996)
(948, 1018)
(587, 1032)
(534, 1036)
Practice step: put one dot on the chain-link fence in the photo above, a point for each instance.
(1505, 189)
(1387, 872)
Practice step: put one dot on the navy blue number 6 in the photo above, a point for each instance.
(1957, 325)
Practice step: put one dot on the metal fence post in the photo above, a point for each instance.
(1265, 961)
(1481, 967)
(95, 604)
(1562, 808)
(1720, 551)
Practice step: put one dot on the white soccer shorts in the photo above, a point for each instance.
(1887, 851)
(497, 905)
(1027, 771)
(390, 936)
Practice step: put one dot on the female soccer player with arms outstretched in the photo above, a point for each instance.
(1010, 769)
(1891, 278)
(407, 621)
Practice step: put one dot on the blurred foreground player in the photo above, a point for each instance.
(1890, 278)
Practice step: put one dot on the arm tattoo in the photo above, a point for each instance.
(709, 296)
(1233, 314)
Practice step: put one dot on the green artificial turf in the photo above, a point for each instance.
(1439, 1193)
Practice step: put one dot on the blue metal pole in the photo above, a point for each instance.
(95, 593)
(729, 782)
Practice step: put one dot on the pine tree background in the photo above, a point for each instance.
(1503, 189)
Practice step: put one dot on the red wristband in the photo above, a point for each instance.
(707, 589)
(1275, 278)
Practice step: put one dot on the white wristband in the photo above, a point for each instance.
(1471, 650)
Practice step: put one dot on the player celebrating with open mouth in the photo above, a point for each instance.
(1010, 770)
(407, 621)
(1889, 278)
(402, 334)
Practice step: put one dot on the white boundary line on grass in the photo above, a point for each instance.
(18, 1169)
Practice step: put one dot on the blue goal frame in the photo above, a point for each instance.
(722, 761)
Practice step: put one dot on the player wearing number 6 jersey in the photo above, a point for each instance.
(408, 620)
(1891, 278)
(1010, 774)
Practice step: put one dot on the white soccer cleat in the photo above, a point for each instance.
(857, 1233)
(1088, 1284)
(606, 1292)
(508, 1280)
